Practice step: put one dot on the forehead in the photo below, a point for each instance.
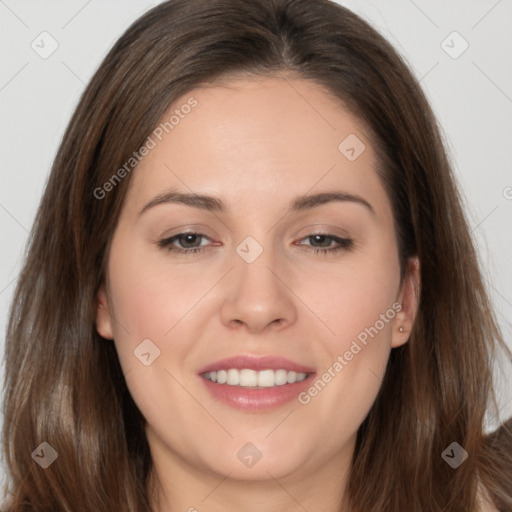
(250, 137)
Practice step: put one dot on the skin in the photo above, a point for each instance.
(257, 144)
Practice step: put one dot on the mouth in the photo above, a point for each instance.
(256, 384)
(252, 379)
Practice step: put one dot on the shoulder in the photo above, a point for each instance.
(484, 502)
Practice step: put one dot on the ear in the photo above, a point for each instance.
(103, 317)
(408, 297)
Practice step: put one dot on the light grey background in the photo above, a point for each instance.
(471, 94)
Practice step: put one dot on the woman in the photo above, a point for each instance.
(258, 370)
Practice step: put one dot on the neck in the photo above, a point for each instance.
(176, 486)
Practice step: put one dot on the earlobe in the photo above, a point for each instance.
(103, 317)
(409, 298)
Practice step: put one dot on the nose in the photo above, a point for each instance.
(257, 295)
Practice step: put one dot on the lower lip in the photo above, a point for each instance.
(250, 399)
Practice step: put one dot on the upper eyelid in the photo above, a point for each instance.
(312, 229)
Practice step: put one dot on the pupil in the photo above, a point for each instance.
(188, 238)
(320, 238)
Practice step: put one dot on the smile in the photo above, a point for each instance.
(248, 378)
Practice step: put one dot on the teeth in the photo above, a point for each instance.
(233, 377)
(251, 378)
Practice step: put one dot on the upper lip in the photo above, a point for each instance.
(256, 363)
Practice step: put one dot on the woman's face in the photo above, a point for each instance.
(293, 267)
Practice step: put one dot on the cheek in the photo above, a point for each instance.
(354, 297)
(357, 354)
(150, 296)
(357, 304)
(159, 301)
(151, 303)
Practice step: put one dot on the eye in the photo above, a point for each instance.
(191, 243)
(325, 245)
(189, 240)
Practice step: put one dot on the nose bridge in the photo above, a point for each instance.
(253, 268)
(257, 296)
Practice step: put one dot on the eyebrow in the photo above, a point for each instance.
(215, 204)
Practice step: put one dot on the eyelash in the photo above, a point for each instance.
(344, 244)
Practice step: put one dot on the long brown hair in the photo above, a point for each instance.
(63, 382)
